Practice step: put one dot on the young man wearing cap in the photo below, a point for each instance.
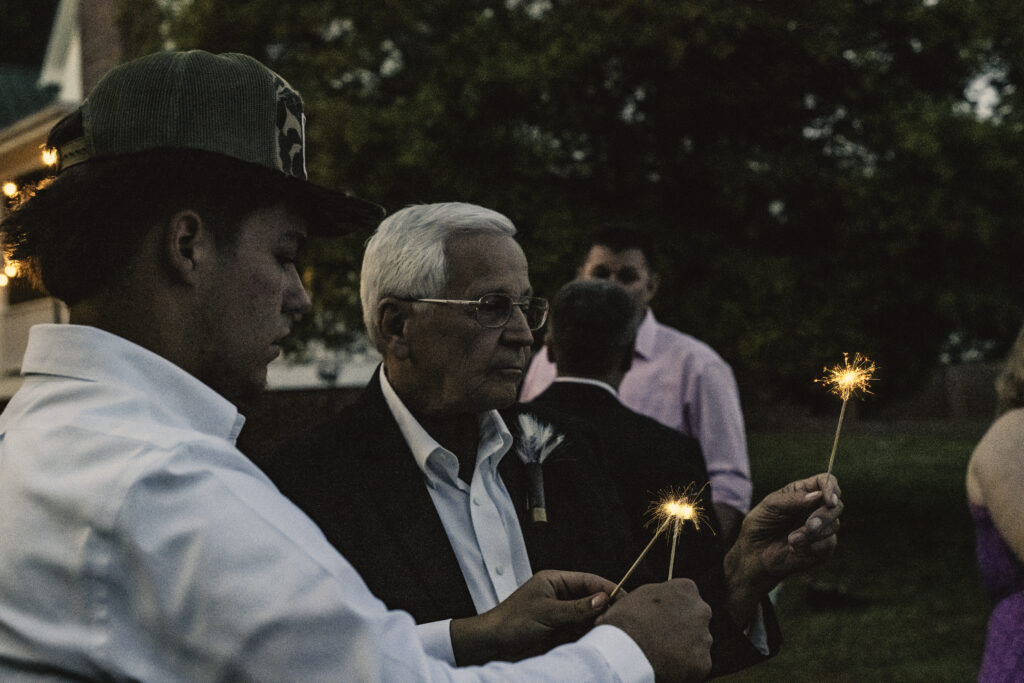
(137, 543)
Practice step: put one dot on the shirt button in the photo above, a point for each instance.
(500, 570)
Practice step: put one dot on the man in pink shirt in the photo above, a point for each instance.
(675, 378)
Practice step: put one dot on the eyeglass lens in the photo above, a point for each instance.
(495, 310)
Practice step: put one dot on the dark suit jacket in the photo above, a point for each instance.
(355, 476)
(644, 458)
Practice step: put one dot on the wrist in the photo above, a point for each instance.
(746, 582)
(474, 640)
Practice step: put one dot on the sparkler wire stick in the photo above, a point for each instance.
(675, 538)
(640, 559)
(832, 457)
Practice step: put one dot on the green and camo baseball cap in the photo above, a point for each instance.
(228, 104)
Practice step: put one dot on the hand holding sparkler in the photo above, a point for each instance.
(844, 381)
(790, 530)
(669, 621)
(551, 608)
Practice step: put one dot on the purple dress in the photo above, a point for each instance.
(1003, 578)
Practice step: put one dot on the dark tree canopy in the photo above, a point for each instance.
(23, 30)
(821, 176)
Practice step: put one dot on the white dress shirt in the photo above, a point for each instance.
(479, 517)
(137, 543)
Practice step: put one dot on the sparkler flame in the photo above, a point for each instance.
(673, 506)
(843, 381)
(846, 379)
(680, 506)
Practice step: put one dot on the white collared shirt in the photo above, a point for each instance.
(479, 517)
(137, 543)
(586, 380)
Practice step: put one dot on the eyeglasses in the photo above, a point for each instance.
(495, 310)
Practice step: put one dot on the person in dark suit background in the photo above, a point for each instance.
(420, 484)
(590, 338)
(675, 378)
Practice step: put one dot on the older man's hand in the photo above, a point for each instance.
(669, 622)
(790, 530)
(552, 608)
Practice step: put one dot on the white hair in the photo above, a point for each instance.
(406, 257)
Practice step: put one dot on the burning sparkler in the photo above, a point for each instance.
(844, 381)
(674, 508)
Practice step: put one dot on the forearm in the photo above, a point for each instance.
(720, 430)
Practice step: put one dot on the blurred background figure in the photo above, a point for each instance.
(995, 479)
(673, 378)
(590, 338)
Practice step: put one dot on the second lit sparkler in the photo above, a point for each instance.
(673, 509)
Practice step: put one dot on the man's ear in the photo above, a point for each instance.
(187, 241)
(552, 354)
(391, 320)
(653, 282)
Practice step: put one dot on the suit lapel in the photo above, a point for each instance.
(397, 486)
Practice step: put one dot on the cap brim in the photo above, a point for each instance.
(330, 213)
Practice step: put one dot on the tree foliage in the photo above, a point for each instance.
(821, 177)
(23, 27)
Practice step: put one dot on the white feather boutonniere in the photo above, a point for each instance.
(536, 442)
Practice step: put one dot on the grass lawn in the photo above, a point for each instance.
(900, 599)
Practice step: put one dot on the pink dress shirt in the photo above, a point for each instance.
(683, 383)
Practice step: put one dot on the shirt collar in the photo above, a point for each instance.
(495, 439)
(94, 355)
(593, 382)
(645, 336)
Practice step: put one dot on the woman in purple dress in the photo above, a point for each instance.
(995, 484)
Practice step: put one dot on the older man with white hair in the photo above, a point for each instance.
(422, 482)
